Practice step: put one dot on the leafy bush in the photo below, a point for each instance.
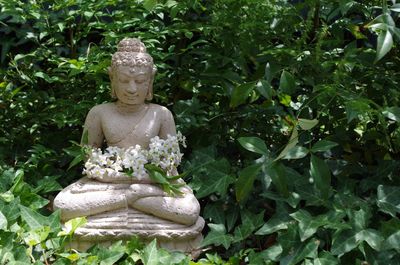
(290, 109)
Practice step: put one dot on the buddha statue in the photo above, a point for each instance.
(118, 207)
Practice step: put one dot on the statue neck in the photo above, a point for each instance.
(130, 108)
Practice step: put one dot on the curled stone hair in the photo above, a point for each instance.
(131, 52)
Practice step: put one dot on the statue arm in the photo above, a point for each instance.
(93, 128)
(167, 124)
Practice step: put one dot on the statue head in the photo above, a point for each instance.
(132, 72)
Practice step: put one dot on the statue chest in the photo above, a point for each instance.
(127, 130)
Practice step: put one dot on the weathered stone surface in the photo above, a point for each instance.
(119, 207)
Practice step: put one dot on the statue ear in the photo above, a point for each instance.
(111, 75)
(149, 95)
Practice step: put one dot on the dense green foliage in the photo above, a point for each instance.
(290, 109)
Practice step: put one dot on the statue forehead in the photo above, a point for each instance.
(132, 70)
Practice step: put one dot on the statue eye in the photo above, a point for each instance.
(140, 80)
(124, 80)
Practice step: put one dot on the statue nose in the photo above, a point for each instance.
(132, 87)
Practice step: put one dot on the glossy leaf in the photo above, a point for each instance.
(296, 152)
(294, 139)
(306, 124)
(277, 173)
(389, 199)
(150, 254)
(244, 183)
(254, 144)
(287, 83)
(241, 93)
(323, 146)
(321, 175)
(217, 236)
(385, 43)
(3, 221)
(392, 113)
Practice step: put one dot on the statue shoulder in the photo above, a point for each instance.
(98, 110)
(165, 112)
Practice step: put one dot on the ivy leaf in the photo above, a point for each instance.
(241, 93)
(217, 236)
(3, 222)
(326, 258)
(321, 174)
(150, 254)
(218, 179)
(33, 219)
(323, 146)
(244, 183)
(71, 226)
(384, 45)
(308, 224)
(372, 237)
(393, 241)
(389, 199)
(308, 250)
(254, 144)
(343, 242)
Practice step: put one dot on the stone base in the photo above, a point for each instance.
(108, 227)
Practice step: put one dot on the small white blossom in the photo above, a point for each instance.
(163, 153)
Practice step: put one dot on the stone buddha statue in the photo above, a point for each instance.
(120, 207)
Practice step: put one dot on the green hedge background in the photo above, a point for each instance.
(290, 109)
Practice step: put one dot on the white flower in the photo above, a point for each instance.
(114, 161)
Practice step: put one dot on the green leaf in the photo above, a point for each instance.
(323, 146)
(393, 241)
(217, 179)
(355, 108)
(296, 152)
(33, 219)
(271, 253)
(241, 93)
(308, 250)
(268, 73)
(326, 258)
(217, 236)
(254, 144)
(395, 7)
(265, 89)
(287, 83)
(307, 124)
(277, 173)
(150, 254)
(244, 183)
(389, 199)
(321, 175)
(149, 4)
(72, 225)
(384, 45)
(3, 222)
(372, 237)
(343, 242)
(274, 224)
(308, 225)
(392, 113)
(294, 139)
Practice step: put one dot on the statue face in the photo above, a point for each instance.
(131, 85)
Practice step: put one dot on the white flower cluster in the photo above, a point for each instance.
(115, 161)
